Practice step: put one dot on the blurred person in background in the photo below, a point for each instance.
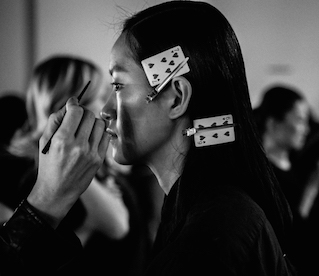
(283, 122)
(307, 162)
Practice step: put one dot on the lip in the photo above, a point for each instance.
(111, 133)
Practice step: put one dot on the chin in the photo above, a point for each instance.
(119, 158)
(125, 154)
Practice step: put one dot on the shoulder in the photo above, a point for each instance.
(229, 207)
(235, 230)
(227, 235)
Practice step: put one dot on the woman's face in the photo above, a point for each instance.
(292, 131)
(138, 128)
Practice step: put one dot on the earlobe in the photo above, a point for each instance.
(182, 92)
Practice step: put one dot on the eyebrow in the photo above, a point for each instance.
(117, 68)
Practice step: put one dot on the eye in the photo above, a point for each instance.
(116, 86)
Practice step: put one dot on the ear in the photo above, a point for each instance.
(180, 95)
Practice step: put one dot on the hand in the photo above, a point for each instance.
(77, 150)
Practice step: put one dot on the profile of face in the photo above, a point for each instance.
(138, 129)
(291, 132)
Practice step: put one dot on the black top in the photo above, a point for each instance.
(291, 187)
(227, 235)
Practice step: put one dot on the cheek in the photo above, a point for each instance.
(295, 131)
(137, 121)
(127, 128)
(130, 120)
(130, 112)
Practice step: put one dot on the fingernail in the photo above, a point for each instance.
(72, 100)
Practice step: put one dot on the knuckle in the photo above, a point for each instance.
(98, 160)
(89, 114)
(90, 156)
(52, 117)
(79, 151)
(77, 110)
(60, 141)
(95, 157)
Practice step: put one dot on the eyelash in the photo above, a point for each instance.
(116, 86)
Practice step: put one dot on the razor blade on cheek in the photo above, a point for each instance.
(212, 131)
(161, 68)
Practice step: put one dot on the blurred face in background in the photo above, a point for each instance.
(291, 132)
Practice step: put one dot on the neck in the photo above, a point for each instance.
(278, 155)
(166, 178)
(167, 164)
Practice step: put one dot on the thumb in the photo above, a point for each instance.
(71, 101)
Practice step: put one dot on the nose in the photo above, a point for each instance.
(108, 112)
(106, 116)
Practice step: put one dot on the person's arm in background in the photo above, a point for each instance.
(106, 212)
(5, 213)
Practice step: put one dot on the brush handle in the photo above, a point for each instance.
(47, 145)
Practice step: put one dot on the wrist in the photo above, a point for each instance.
(49, 209)
(52, 220)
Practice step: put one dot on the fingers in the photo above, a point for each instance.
(92, 130)
(103, 145)
(55, 121)
(99, 139)
(86, 126)
(53, 124)
(72, 118)
(97, 133)
(74, 126)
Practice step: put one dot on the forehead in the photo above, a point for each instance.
(121, 59)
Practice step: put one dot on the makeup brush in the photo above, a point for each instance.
(47, 146)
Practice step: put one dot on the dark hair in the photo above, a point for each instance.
(277, 101)
(218, 79)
